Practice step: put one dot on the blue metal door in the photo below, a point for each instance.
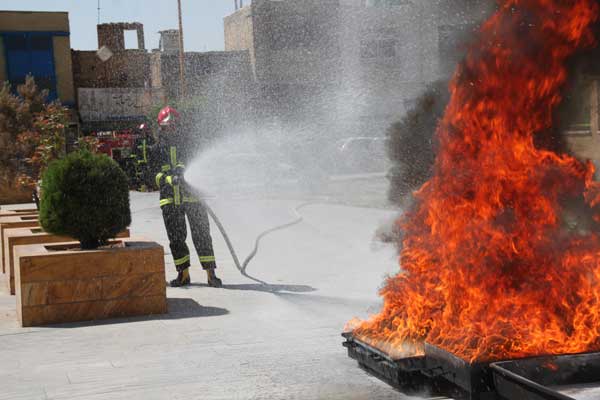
(31, 53)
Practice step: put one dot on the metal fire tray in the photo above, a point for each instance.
(404, 374)
(544, 378)
(474, 379)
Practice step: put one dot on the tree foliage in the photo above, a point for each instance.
(31, 135)
(85, 196)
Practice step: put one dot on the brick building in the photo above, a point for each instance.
(219, 83)
(119, 87)
(219, 76)
(114, 83)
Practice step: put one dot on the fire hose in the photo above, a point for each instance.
(244, 265)
(241, 267)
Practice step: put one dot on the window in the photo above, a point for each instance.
(384, 3)
(580, 105)
(16, 42)
(368, 49)
(41, 42)
(387, 48)
(131, 39)
(31, 53)
(381, 48)
(295, 32)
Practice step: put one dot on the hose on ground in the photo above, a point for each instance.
(244, 265)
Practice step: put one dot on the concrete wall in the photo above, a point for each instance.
(156, 69)
(239, 33)
(3, 73)
(64, 69)
(34, 21)
(222, 81)
(222, 77)
(383, 64)
(342, 60)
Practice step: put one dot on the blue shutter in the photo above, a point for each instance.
(31, 53)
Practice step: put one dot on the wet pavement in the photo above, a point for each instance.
(244, 341)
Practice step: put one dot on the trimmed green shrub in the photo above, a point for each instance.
(85, 196)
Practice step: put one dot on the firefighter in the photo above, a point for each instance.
(141, 156)
(178, 200)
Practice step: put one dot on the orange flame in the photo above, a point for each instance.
(491, 269)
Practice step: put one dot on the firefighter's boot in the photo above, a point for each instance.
(213, 281)
(183, 279)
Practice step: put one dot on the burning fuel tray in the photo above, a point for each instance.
(548, 378)
(404, 374)
(439, 372)
(474, 379)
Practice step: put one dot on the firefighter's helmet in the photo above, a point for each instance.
(168, 116)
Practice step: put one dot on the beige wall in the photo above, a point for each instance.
(3, 72)
(238, 30)
(239, 33)
(64, 69)
(34, 21)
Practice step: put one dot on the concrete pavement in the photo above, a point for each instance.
(245, 341)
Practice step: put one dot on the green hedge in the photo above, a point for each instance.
(85, 196)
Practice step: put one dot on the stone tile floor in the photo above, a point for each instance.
(245, 341)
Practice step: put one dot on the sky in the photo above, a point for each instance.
(202, 19)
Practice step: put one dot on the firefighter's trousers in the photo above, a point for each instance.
(174, 217)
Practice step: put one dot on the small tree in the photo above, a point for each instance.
(17, 116)
(85, 196)
(31, 135)
(89, 143)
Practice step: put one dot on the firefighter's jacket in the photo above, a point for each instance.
(168, 158)
(142, 148)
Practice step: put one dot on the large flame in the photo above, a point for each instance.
(492, 265)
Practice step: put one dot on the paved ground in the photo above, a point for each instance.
(245, 341)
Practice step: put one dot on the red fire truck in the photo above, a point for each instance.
(117, 144)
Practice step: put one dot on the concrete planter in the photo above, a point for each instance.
(58, 283)
(24, 236)
(16, 213)
(17, 221)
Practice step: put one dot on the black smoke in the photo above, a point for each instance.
(411, 142)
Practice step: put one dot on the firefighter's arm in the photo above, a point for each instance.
(155, 162)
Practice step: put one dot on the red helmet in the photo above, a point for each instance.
(168, 116)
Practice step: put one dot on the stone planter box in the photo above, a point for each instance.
(58, 283)
(14, 213)
(18, 221)
(23, 236)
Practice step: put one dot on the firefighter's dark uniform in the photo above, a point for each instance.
(141, 158)
(178, 200)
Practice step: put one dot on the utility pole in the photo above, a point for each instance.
(181, 54)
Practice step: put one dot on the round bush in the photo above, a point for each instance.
(85, 196)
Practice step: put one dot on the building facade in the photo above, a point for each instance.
(114, 88)
(356, 63)
(37, 44)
